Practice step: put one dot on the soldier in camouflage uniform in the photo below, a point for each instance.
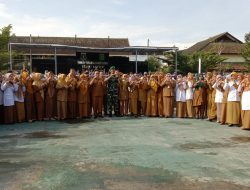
(112, 92)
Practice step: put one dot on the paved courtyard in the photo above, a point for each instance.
(124, 153)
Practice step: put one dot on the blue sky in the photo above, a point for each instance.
(163, 22)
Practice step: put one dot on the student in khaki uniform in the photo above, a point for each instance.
(50, 97)
(199, 98)
(190, 95)
(105, 110)
(83, 96)
(124, 95)
(160, 94)
(224, 105)
(240, 78)
(210, 91)
(218, 86)
(152, 97)
(245, 89)
(72, 96)
(19, 99)
(142, 90)
(133, 95)
(168, 85)
(38, 86)
(233, 100)
(181, 86)
(97, 84)
(62, 96)
(29, 100)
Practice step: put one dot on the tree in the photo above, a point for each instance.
(154, 64)
(182, 60)
(209, 61)
(247, 37)
(5, 36)
(246, 51)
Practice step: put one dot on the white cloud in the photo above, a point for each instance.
(118, 2)
(86, 26)
(49, 26)
(26, 25)
(162, 43)
(121, 30)
(4, 13)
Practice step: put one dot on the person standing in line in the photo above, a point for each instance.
(50, 97)
(29, 100)
(62, 97)
(245, 88)
(160, 79)
(38, 86)
(210, 91)
(72, 96)
(199, 98)
(124, 95)
(218, 86)
(190, 95)
(105, 109)
(224, 106)
(113, 92)
(233, 100)
(1, 101)
(8, 89)
(239, 79)
(19, 99)
(97, 84)
(83, 96)
(151, 110)
(181, 86)
(142, 96)
(168, 85)
(133, 95)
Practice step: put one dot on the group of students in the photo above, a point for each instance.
(34, 96)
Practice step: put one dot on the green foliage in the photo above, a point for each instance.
(154, 64)
(168, 69)
(183, 66)
(189, 63)
(182, 60)
(247, 37)
(4, 59)
(5, 36)
(246, 51)
(208, 61)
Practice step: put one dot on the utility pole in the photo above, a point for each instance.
(30, 55)
(10, 54)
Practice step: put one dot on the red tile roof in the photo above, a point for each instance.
(224, 43)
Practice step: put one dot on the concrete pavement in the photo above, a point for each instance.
(124, 153)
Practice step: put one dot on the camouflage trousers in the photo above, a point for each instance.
(113, 103)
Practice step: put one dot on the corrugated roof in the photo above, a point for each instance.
(41, 49)
(74, 41)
